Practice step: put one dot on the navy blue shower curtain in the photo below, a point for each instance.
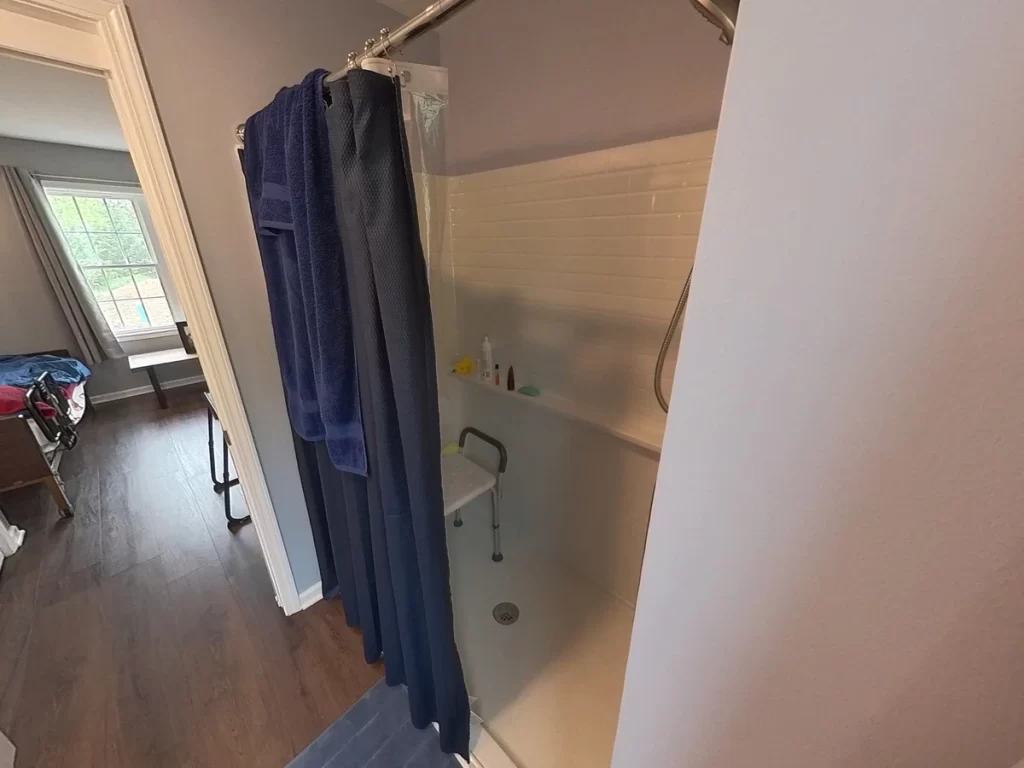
(404, 552)
(380, 536)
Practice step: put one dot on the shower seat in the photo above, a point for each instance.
(463, 480)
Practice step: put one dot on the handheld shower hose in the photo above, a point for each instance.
(667, 341)
(721, 13)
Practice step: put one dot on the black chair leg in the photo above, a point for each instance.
(226, 483)
(209, 443)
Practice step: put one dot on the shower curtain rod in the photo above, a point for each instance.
(430, 17)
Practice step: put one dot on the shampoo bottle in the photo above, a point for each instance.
(487, 356)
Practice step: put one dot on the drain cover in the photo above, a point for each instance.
(506, 613)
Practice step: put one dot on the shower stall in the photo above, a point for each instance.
(573, 268)
(543, 646)
(578, 271)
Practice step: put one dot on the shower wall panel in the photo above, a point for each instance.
(573, 267)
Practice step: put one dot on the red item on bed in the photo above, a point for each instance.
(12, 400)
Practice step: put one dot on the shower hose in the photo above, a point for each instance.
(667, 342)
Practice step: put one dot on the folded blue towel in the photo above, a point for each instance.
(291, 189)
(23, 370)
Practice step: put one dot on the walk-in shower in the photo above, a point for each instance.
(544, 635)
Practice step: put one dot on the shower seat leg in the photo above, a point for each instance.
(496, 525)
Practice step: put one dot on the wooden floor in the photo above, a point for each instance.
(141, 632)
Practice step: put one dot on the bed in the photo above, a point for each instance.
(40, 410)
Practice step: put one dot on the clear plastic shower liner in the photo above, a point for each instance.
(424, 106)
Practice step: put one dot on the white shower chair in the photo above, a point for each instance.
(463, 480)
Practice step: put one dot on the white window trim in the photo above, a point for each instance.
(88, 188)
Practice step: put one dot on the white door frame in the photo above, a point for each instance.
(96, 37)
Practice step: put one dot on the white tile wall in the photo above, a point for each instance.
(573, 267)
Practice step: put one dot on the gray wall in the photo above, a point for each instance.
(30, 317)
(211, 65)
(528, 83)
(834, 575)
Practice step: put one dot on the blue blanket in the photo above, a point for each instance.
(23, 370)
(291, 189)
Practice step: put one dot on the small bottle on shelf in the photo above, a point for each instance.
(497, 375)
(487, 356)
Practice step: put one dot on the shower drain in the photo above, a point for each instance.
(506, 613)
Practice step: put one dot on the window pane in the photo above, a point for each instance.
(133, 314)
(94, 214)
(121, 284)
(108, 250)
(66, 213)
(97, 282)
(81, 248)
(136, 249)
(148, 281)
(110, 312)
(159, 312)
(122, 213)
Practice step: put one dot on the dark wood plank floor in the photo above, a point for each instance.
(141, 632)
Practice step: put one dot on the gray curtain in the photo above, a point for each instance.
(96, 341)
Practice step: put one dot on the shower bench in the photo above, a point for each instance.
(464, 480)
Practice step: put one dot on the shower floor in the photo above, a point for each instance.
(548, 686)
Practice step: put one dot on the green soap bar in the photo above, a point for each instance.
(531, 391)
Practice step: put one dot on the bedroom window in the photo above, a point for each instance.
(108, 234)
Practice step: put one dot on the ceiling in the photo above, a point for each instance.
(47, 103)
(406, 7)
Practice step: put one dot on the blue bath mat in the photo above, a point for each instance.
(376, 733)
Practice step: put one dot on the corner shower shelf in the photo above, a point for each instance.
(647, 436)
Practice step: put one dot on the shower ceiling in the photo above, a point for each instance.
(406, 7)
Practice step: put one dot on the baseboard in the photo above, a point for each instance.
(311, 596)
(124, 394)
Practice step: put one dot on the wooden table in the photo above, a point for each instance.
(152, 360)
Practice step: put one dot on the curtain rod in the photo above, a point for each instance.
(430, 17)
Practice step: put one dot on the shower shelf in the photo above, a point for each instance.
(647, 436)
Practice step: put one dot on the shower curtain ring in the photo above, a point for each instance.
(385, 41)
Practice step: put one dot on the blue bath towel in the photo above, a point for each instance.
(23, 370)
(288, 172)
